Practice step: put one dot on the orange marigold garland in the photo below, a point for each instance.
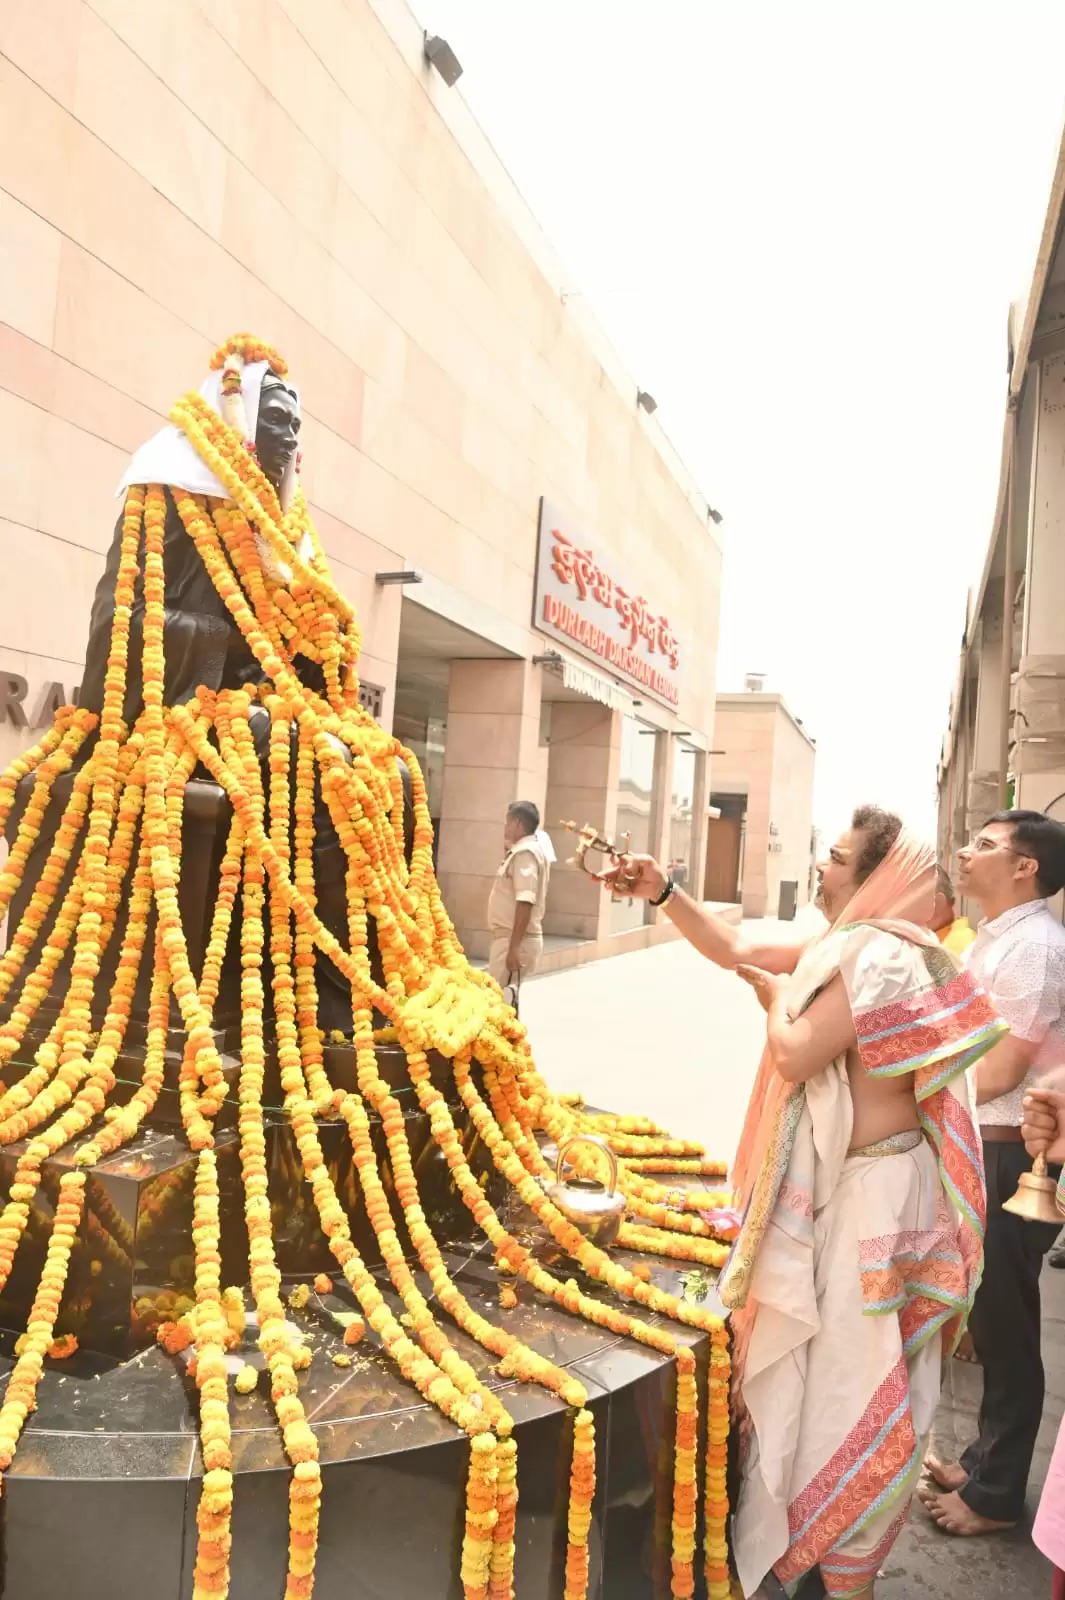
(581, 1495)
(119, 843)
(501, 1561)
(685, 1488)
(716, 1567)
(210, 1579)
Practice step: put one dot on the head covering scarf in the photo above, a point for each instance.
(936, 1023)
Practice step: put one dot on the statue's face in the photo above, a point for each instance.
(277, 431)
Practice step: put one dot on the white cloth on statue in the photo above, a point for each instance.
(168, 457)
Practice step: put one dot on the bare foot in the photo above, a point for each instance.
(947, 1474)
(966, 1350)
(950, 1513)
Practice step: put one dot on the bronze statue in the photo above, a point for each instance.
(204, 648)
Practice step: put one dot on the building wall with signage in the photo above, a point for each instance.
(298, 170)
(767, 759)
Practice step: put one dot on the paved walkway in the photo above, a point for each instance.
(665, 1033)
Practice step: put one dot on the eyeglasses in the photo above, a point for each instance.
(984, 846)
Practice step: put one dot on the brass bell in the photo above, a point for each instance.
(1035, 1198)
(596, 1210)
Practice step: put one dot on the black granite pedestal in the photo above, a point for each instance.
(100, 1502)
(132, 1267)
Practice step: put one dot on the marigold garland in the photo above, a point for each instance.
(40, 1326)
(119, 842)
(581, 1495)
(685, 1490)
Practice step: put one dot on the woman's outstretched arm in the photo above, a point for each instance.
(720, 942)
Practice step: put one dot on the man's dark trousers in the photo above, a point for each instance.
(1005, 1326)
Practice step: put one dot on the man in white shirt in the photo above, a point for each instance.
(518, 898)
(1013, 865)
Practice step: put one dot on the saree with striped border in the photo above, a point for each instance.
(854, 1272)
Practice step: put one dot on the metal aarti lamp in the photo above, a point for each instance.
(589, 839)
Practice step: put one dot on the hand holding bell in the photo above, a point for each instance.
(1039, 1198)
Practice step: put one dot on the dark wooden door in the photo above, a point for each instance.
(723, 841)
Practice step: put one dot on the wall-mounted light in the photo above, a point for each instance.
(440, 55)
(409, 576)
(550, 658)
(715, 516)
(647, 401)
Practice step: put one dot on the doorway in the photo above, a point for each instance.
(724, 839)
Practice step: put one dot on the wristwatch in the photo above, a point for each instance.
(667, 893)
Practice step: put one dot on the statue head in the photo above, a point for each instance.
(249, 388)
(277, 427)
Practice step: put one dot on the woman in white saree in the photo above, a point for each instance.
(861, 1183)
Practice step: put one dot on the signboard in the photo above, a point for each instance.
(582, 600)
(18, 709)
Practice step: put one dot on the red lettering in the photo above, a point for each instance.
(617, 652)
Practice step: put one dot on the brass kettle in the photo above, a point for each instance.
(596, 1210)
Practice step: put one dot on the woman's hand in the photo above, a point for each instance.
(1043, 1128)
(766, 985)
(635, 877)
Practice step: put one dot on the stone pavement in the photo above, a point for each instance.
(665, 1033)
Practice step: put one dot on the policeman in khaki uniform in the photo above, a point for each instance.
(516, 903)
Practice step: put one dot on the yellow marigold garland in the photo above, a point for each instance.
(716, 1567)
(40, 1327)
(269, 569)
(659, 1242)
(581, 1495)
(685, 1488)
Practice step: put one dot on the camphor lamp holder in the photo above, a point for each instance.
(590, 839)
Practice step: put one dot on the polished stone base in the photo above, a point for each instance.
(100, 1502)
(132, 1261)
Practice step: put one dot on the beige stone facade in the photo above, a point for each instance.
(173, 171)
(763, 786)
(1005, 741)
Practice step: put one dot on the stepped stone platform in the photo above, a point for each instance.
(100, 1502)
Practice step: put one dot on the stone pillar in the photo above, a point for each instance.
(982, 793)
(1044, 612)
(492, 757)
(700, 820)
(662, 791)
(582, 776)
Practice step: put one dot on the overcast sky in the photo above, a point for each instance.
(801, 227)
